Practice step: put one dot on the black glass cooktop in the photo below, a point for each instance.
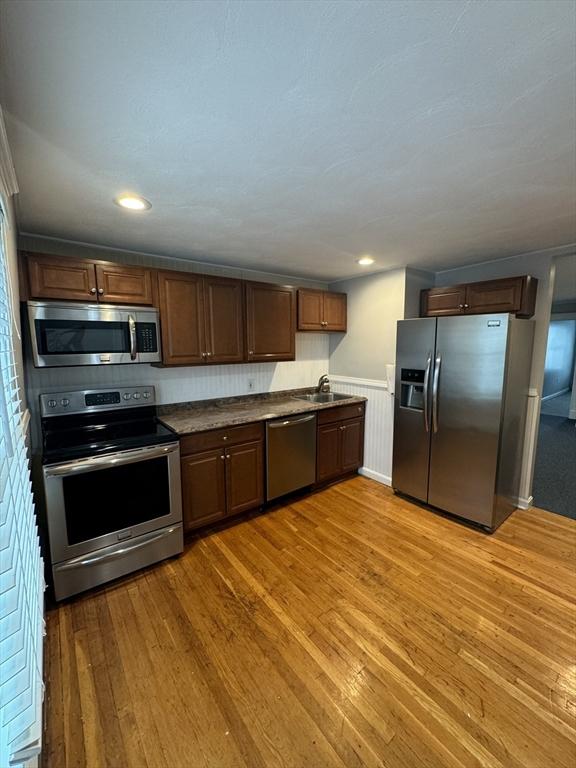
(73, 437)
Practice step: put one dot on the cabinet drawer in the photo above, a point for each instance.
(215, 438)
(329, 415)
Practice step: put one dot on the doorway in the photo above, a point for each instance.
(554, 486)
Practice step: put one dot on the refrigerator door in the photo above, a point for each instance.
(467, 389)
(411, 452)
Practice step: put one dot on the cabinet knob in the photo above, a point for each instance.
(466, 306)
(208, 354)
(92, 291)
(227, 455)
(203, 354)
(222, 457)
(100, 291)
(251, 352)
(225, 437)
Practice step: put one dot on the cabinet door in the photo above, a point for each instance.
(328, 452)
(52, 277)
(443, 301)
(270, 322)
(224, 315)
(244, 476)
(335, 311)
(181, 318)
(352, 449)
(494, 296)
(119, 284)
(310, 310)
(203, 488)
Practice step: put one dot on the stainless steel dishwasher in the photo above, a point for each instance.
(290, 454)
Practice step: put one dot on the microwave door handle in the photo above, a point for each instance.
(427, 392)
(132, 329)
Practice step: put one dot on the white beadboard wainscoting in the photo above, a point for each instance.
(379, 426)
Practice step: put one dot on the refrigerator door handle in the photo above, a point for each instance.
(435, 380)
(427, 392)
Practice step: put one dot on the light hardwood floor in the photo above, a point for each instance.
(348, 629)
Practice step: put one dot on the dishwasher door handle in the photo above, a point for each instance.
(290, 422)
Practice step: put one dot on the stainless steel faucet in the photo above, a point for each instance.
(323, 383)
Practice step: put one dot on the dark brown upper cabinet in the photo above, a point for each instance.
(270, 322)
(224, 320)
(510, 294)
(181, 306)
(201, 319)
(119, 284)
(321, 310)
(50, 277)
(55, 277)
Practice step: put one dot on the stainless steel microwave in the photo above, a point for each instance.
(66, 333)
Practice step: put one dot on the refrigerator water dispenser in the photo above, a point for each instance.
(412, 389)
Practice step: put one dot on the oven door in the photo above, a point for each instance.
(96, 502)
(92, 334)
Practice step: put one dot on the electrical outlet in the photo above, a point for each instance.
(251, 385)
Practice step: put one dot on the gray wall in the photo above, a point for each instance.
(375, 304)
(416, 281)
(559, 368)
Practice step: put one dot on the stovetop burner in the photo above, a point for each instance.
(99, 423)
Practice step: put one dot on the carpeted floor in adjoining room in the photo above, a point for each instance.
(555, 470)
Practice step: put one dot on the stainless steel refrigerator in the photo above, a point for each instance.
(459, 413)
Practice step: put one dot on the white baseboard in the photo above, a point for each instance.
(380, 478)
(555, 394)
(524, 503)
(572, 413)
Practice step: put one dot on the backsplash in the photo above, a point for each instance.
(174, 385)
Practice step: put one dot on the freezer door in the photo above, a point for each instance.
(414, 356)
(467, 388)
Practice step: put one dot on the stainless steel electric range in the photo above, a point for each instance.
(111, 474)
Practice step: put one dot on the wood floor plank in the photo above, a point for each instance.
(346, 629)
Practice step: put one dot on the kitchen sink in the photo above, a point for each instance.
(323, 397)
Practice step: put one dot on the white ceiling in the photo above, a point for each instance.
(294, 136)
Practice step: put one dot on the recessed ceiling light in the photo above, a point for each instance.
(365, 261)
(133, 202)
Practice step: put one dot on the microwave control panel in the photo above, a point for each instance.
(146, 340)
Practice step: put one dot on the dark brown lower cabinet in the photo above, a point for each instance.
(340, 441)
(245, 476)
(223, 469)
(222, 474)
(328, 452)
(203, 488)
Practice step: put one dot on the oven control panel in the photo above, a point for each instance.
(91, 400)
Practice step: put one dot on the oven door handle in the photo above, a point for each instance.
(132, 329)
(94, 463)
(80, 562)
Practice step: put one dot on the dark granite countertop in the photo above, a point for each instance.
(202, 415)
